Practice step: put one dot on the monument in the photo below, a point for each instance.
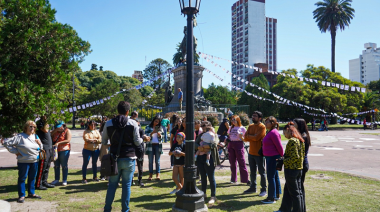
(180, 75)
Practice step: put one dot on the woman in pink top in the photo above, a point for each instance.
(272, 150)
(236, 150)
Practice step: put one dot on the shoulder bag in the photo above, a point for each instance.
(42, 153)
(109, 163)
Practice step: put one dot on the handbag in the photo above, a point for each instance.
(109, 162)
(55, 153)
(261, 152)
(42, 153)
(279, 163)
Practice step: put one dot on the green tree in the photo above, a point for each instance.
(155, 68)
(102, 90)
(218, 94)
(94, 67)
(331, 15)
(293, 90)
(374, 85)
(37, 54)
(266, 107)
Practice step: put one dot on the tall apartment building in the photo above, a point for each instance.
(138, 75)
(254, 38)
(271, 41)
(366, 68)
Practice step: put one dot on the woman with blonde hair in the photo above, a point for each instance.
(272, 150)
(236, 150)
(27, 147)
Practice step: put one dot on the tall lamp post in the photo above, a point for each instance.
(190, 198)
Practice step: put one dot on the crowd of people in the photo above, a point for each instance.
(123, 137)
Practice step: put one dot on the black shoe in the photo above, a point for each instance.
(249, 191)
(42, 187)
(48, 185)
(249, 183)
(141, 184)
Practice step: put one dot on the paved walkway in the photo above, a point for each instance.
(348, 151)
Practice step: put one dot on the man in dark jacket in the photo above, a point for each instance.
(44, 165)
(119, 126)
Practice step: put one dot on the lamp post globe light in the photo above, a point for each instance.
(190, 198)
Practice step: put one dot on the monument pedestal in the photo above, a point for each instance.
(180, 82)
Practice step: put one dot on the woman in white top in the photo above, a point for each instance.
(154, 146)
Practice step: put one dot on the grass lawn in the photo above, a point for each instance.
(341, 193)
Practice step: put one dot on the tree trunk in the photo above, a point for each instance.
(333, 35)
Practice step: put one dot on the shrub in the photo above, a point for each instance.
(213, 118)
(244, 118)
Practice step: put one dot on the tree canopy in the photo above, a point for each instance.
(155, 68)
(218, 94)
(37, 54)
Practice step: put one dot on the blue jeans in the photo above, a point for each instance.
(165, 134)
(156, 154)
(126, 168)
(257, 163)
(87, 154)
(207, 171)
(26, 170)
(63, 159)
(274, 185)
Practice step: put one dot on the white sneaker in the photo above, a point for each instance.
(263, 194)
(64, 183)
(174, 191)
(234, 183)
(55, 182)
(212, 200)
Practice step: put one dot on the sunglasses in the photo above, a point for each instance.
(233, 119)
(203, 126)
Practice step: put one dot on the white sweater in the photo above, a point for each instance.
(25, 145)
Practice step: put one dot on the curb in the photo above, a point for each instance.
(5, 206)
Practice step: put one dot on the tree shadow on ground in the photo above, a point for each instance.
(9, 189)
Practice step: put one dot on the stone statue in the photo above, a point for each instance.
(183, 46)
(168, 94)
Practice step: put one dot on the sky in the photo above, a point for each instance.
(126, 35)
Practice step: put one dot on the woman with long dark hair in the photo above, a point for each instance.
(301, 126)
(272, 150)
(154, 146)
(236, 150)
(293, 162)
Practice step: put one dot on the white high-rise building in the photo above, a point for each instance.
(366, 68)
(254, 38)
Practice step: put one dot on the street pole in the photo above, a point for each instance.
(74, 100)
(190, 198)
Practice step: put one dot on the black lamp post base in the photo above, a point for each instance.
(175, 209)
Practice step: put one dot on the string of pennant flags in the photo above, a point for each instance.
(149, 96)
(101, 101)
(209, 58)
(281, 100)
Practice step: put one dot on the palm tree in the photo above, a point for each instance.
(331, 15)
